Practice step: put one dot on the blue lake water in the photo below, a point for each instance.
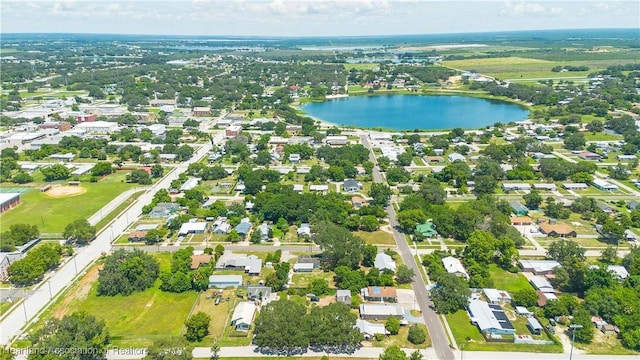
(408, 112)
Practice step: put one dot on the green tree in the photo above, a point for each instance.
(79, 331)
(392, 325)
(574, 141)
(79, 232)
(102, 168)
(404, 274)
(281, 327)
(381, 194)
(432, 191)
(55, 172)
(197, 326)
(451, 295)
(369, 223)
(21, 177)
(585, 334)
(339, 246)
(416, 335)
(525, 297)
(563, 249)
(409, 219)
(532, 200)
(173, 348)
(393, 353)
(125, 272)
(157, 171)
(369, 255)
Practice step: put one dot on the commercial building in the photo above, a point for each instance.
(98, 127)
(8, 201)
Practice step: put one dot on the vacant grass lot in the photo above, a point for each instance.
(401, 339)
(505, 280)
(376, 237)
(135, 320)
(53, 214)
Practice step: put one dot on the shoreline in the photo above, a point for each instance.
(425, 92)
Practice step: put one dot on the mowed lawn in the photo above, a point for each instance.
(505, 280)
(53, 214)
(378, 237)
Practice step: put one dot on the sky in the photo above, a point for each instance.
(310, 17)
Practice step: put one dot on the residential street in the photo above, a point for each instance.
(436, 332)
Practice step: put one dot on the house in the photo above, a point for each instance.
(264, 230)
(534, 325)
(589, 156)
(251, 264)
(518, 208)
(490, 319)
(190, 184)
(379, 293)
(427, 229)
(539, 267)
(557, 230)
(521, 220)
(343, 296)
(575, 186)
(8, 201)
(545, 297)
(604, 185)
(384, 262)
(259, 293)
(630, 236)
(351, 186)
(357, 202)
(304, 230)
(146, 227)
(380, 311)
(547, 187)
(337, 140)
(454, 266)
(605, 207)
(619, 271)
(225, 281)
(523, 311)
(303, 267)
(370, 330)
(244, 227)
(319, 188)
(192, 228)
(515, 186)
(221, 228)
(164, 209)
(242, 316)
(496, 296)
(542, 284)
(621, 157)
(136, 236)
(453, 157)
(294, 158)
(633, 204)
(433, 159)
(200, 260)
(68, 157)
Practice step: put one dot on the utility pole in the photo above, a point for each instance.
(573, 327)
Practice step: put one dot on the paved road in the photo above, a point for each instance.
(12, 324)
(436, 331)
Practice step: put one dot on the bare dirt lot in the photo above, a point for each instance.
(62, 191)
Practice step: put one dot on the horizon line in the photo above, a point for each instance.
(312, 36)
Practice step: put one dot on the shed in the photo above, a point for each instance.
(343, 296)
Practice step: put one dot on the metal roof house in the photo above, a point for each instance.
(490, 319)
(369, 329)
(251, 264)
(225, 281)
(539, 267)
(384, 262)
(518, 208)
(243, 315)
(427, 229)
(380, 311)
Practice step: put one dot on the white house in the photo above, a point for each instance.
(453, 157)
(384, 262)
(243, 315)
(192, 228)
(454, 266)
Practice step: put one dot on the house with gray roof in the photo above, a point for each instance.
(164, 209)
(343, 296)
(251, 264)
(384, 262)
(351, 186)
(369, 329)
(225, 281)
(490, 319)
(244, 227)
(259, 292)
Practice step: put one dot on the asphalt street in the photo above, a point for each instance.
(436, 332)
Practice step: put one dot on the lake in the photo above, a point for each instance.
(409, 112)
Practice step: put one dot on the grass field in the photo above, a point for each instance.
(53, 214)
(401, 339)
(516, 68)
(134, 320)
(505, 280)
(376, 238)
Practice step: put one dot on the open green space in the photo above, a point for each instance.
(505, 280)
(401, 339)
(52, 214)
(135, 320)
(376, 237)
